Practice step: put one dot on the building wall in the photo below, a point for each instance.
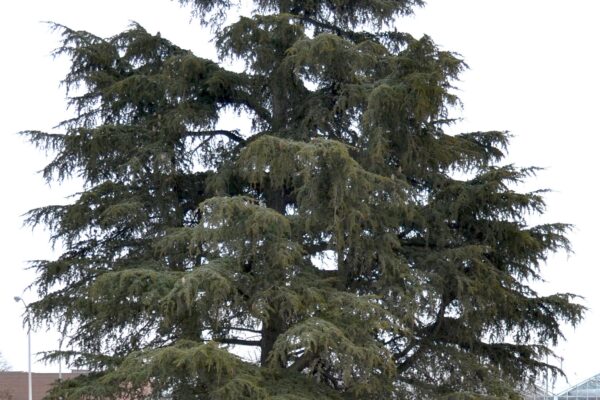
(14, 385)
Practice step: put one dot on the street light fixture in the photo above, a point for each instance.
(20, 299)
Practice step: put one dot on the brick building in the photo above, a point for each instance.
(14, 386)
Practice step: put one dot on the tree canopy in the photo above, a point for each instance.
(344, 247)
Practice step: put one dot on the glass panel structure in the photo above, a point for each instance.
(586, 390)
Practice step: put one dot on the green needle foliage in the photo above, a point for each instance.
(345, 247)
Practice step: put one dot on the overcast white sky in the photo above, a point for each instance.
(534, 70)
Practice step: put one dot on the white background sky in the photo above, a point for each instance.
(534, 71)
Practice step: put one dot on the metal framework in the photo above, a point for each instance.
(586, 390)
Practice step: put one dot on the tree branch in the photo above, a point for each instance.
(239, 342)
(354, 36)
(302, 362)
(244, 329)
(231, 135)
(314, 248)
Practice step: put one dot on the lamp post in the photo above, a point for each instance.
(19, 299)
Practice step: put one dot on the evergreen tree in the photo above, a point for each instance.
(4, 366)
(5, 394)
(344, 248)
